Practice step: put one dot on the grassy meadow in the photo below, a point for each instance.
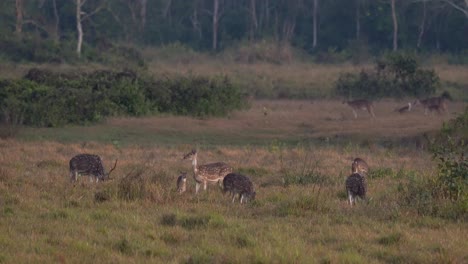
(297, 153)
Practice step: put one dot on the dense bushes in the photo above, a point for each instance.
(446, 194)
(397, 75)
(44, 98)
(449, 150)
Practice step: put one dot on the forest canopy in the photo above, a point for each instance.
(57, 30)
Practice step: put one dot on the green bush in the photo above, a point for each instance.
(397, 75)
(446, 194)
(43, 98)
(449, 150)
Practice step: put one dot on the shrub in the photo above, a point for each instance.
(449, 150)
(44, 98)
(196, 96)
(446, 194)
(397, 75)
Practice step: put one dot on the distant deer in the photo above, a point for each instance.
(212, 173)
(359, 166)
(182, 182)
(438, 104)
(90, 165)
(361, 105)
(239, 184)
(356, 186)
(404, 109)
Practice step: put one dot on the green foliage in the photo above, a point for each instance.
(397, 75)
(43, 98)
(445, 195)
(450, 149)
(196, 96)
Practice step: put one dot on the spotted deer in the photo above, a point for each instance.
(207, 173)
(438, 104)
(356, 186)
(361, 105)
(182, 182)
(90, 165)
(359, 166)
(238, 184)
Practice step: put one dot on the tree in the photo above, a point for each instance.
(422, 26)
(315, 26)
(215, 23)
(395, 26)
(19, 17)
(358, 19)
(459, 5)
(81, 16)
(253, 19)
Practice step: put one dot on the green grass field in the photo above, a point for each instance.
(298, 155)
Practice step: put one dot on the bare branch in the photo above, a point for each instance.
(463, 10)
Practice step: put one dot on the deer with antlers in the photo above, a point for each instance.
(90, 165)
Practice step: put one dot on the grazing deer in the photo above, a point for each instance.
(359, 166)
(404, 109)
(438, 104)
(212, 173)
(361, 105)
(356, 186)
(239, 184)
(90, 165)
(182, 182)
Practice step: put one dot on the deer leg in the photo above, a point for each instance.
(371, 112)
(233, 197)
(72, 176)
(204, 185)
(355, 114)
(197, 187)
(241, 198)
(350, 198)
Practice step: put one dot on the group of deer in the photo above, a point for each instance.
(432, 104)
(215, 173)
(219, 172)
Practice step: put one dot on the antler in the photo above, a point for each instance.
(113, 168)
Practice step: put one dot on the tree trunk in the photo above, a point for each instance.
(143, 4)
(358, 19)
(196, 27)
(57, 23)
(422, 26)
(395, 26)
(215, 24)
(253, 22)
(314, 16)
(79, 27)
(19, 17)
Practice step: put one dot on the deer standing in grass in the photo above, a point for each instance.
(207, 173)
(361, 105)
(356, 184)
(438, 104)
(239, 184)
(182, 182)
(90, 165)
(359, 166)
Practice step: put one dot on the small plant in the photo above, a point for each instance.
(133, 186)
